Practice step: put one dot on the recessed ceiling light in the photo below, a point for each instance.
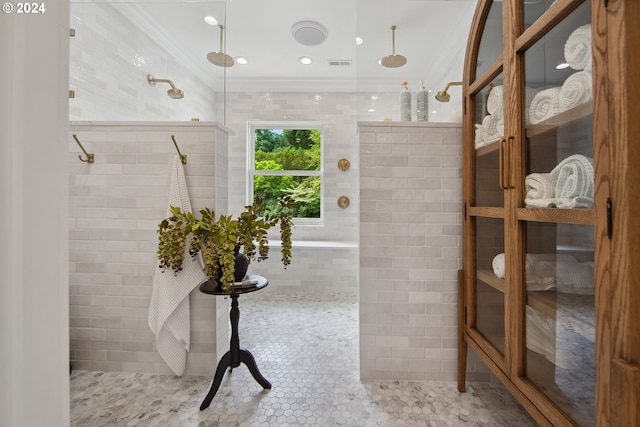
(211, 20)
(562, 66)
(305, 60)
(309, 33)
(358, 41)
(241, 60)
(371, 110)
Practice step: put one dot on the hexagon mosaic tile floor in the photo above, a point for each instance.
(310, 356)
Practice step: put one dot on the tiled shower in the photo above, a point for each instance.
(397, 247)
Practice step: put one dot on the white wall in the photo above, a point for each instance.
(34, 325)
(110, 60)
(116, 204)
(410, 251)
(333, 268)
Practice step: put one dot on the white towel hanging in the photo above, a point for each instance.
(169, 317)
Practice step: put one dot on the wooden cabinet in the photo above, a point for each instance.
(550, 290)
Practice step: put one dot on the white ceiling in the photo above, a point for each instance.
(429, 33)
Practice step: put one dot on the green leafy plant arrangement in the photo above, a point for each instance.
(218, 240)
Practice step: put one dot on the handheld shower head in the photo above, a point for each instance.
(443, 96)
(174, 92)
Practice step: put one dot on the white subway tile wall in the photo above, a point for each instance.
(115, 206)
(410, 251)
(109, 61)
(329, 268)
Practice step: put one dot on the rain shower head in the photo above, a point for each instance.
(443, 96)
(220, 58)
(393, 60)
(174, 92)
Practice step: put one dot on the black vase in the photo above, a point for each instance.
(241, 267)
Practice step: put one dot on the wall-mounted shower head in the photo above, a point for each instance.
(173, 93)
(443, 96)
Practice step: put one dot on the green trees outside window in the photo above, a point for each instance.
(288, 162)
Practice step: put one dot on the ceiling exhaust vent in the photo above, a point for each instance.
(340, 62)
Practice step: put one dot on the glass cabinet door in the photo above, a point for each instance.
(490, 47)
(490, 281)
(488, 144)
(557, 216)
(488, 197)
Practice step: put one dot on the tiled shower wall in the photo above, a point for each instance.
(410, 251)
(116, 204)
(110, 58)
(326, 256)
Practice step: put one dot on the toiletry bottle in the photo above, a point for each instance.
(405, 103)
(422, 104)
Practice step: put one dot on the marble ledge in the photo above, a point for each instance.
(149, 126)
(423, 125)
(406, 126)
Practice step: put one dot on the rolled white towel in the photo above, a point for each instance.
(498, 265)
(495, 101)
(544, 105)
(577, 49)
(479, 138)
(540, 190)
(490, 131)
(574, 182)
(529, 94)
(576, 90)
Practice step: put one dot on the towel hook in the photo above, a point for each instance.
(183, 157)
(89, 158)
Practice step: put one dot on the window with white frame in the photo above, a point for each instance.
(285, 159)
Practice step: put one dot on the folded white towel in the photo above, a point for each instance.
(169, 308)
(577, 49)
(575, 277)
(574, 182)
(548, 271)
(495, 101)
(540, 190)
(576, 90)
(490, 131)
(537, 272)
(544, 105)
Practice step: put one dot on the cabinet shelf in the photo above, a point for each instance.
(542, 301)
(581, 112)
(565, 118)
(488, 149)
(556, 215)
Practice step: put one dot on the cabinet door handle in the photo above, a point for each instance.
(501, 153)
(510, 183)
